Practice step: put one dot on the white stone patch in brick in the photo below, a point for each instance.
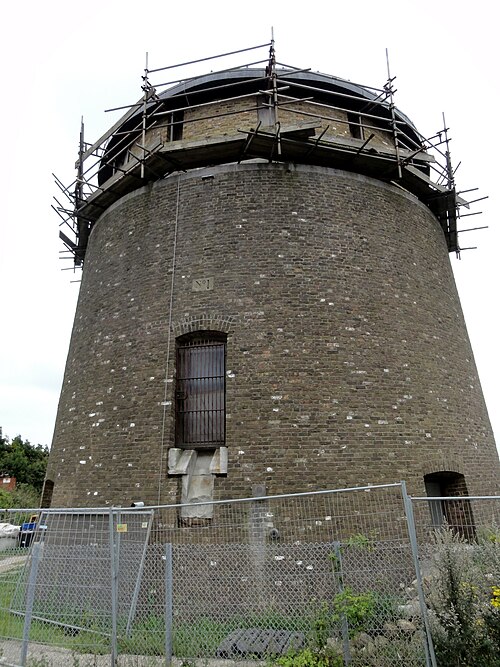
(302, 220)
(349, 417)
(96, 493)
(298, 562)
(350, 329)
(279, 329)
(428, 435)
(367, 425)
(129, 465)
(279, 558)
(331, 303)
(281, 256)
(383, 421)
(239, 226)
(408, 397)
(278, 583)
(294, 213)
(230, 374)
(328, 518)
(408, 442)
(213, 563)
(322, 300)
(83, 462)
(276, 409)
(318, 523)
(309, 567)
(137, 485)
(344, 447)
(132, 424)
(386, 370)
(277, 397)
(82, 446)
(92, 414)
(240, 452)
(269, 469)
(256, 282)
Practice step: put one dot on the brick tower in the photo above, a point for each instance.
(267, 302)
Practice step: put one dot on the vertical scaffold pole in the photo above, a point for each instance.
(274, 84)
(394, 126)
(145, 88)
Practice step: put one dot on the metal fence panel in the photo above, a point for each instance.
(333, 572)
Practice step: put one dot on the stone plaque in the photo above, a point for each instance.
(202, 284)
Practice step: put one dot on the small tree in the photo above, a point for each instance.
(27, 463)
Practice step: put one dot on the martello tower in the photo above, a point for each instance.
(267, 303)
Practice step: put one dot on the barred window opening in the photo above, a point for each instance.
(200, 391)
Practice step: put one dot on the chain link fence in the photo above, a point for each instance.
(331, 574)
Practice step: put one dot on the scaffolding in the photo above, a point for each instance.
(146, 143)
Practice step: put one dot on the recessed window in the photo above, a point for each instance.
(456, 514)
(48, 490)
(200, 391)
(355, 126)
(175, 125)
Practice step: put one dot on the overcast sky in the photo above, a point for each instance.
(60, 60)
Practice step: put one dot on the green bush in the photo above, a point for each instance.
(461, 596)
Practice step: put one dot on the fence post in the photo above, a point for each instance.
(168, 604)
(36, 554)
(430, 657)
(338, 571)
(114, 596)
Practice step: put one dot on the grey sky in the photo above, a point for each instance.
(60, 60)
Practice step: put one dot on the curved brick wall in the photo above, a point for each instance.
(348, 360)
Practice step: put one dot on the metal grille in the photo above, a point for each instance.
(200, 391)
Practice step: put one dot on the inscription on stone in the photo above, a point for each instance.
(202, 284)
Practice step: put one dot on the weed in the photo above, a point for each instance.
(309, 658)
